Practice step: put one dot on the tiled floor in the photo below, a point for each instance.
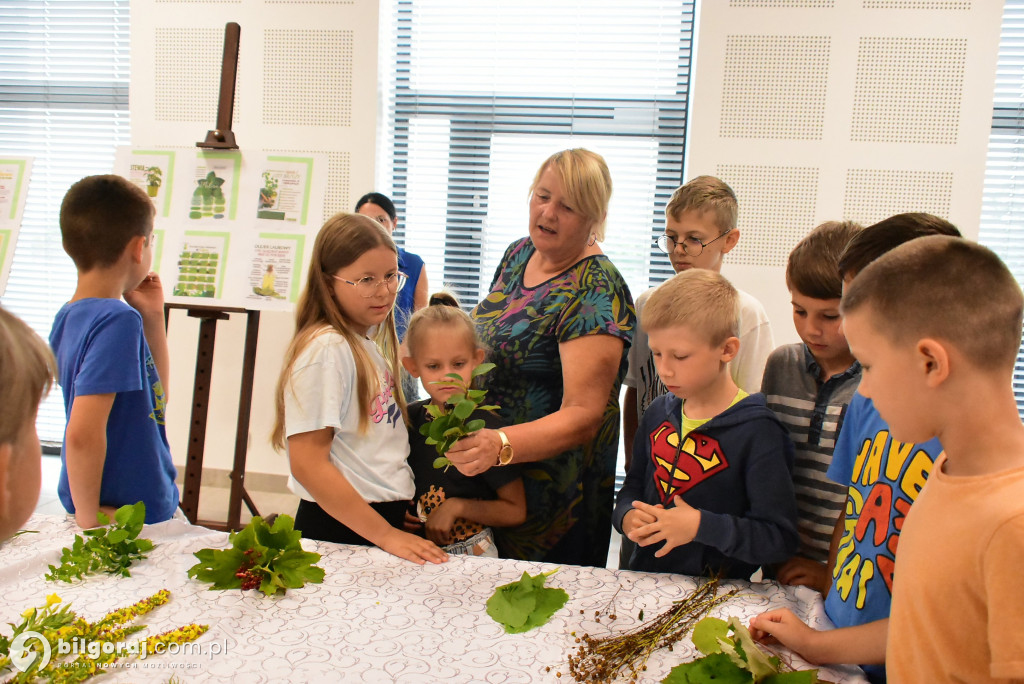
(213, 503)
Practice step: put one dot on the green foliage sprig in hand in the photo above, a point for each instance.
(733, 659)
(264, 557)
(105, 549)
(448, 423)
(526, 603)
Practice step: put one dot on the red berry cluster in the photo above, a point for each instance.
(251, 578)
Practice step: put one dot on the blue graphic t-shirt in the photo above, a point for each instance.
(884, 478)
(101, 349)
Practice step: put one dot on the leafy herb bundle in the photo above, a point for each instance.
(105, 549)
(448, 423)
(264, 557)
(733, 659)
(526, 603)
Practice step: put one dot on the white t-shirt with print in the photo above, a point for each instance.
(322, 393)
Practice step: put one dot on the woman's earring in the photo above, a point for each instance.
(592, 240)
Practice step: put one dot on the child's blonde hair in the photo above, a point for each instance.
(697, 299)
(442, 309)
(27, 369)
(705, 194)
(342, 240)
(587, 182)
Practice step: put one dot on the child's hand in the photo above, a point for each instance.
(148, 297)
(440, 522)
(804, 572)
(412, 524)
(675, 526)
(412, 548)
(636, 518)
(783, 627)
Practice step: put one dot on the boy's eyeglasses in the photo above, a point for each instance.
(691, 245)
(367, 287)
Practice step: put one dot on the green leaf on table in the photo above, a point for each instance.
(706, 634)
(716, 667)
(526, 603)
(109, 549)
(261, 556)
(730, 649)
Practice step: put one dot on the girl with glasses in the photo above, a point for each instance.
(339, 408)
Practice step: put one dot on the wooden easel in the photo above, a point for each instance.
(220, 138)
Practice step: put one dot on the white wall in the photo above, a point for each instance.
(816, 110)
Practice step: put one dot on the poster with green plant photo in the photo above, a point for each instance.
(202, 261)
(151, 170)
(284, 193)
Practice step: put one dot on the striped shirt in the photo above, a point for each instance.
(813, 413)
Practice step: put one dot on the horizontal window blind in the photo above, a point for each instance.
(64, 69)
(1002, 217)
(480, 93)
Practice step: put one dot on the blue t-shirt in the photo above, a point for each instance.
(101, 349)
(884, 476)
(411, 265)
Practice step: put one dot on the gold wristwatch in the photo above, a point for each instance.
(505, 454)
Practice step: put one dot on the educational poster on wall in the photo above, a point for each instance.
(202, 259)
(284, 194)
(14, 175)
(272, 269)
(238, 223)
(151, 170)
(215, 181)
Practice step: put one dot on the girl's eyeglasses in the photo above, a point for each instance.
(691, 245)
(367, 287)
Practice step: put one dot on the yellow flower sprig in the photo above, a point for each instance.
(64, 624)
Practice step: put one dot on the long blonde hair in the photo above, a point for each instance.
(342, 240)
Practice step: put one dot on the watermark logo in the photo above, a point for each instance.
(23, 657)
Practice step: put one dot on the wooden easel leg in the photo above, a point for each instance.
(200, 408)
(238, 493)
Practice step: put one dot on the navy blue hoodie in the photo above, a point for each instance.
(736, 469)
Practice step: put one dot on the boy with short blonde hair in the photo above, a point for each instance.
(27, 369)
(809, 386)
(936, 324)
(711, 474)
(113, 356)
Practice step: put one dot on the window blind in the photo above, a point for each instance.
(64, 68)
(478, 94)
(1002, 214)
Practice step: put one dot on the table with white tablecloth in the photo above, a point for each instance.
(375, 617)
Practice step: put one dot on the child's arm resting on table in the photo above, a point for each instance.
(85, 451)
(861, 644)
(508, 510)
(309, 454)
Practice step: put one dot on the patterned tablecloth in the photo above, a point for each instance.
(375, 618)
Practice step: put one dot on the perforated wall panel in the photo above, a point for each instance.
(871, 195)
(777, 208)
(339, 173)
(187, 75)
(787, 4)
(963, 5)
(908, 90)
(774, 87)
(307, 77)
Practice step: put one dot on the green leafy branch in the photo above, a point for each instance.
(264, 557)
(448, 423)
(733, 659)
(526, 603)
(105, 549)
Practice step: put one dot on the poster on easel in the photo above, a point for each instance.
(234, 227)
(151, 170)
(14, 176)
